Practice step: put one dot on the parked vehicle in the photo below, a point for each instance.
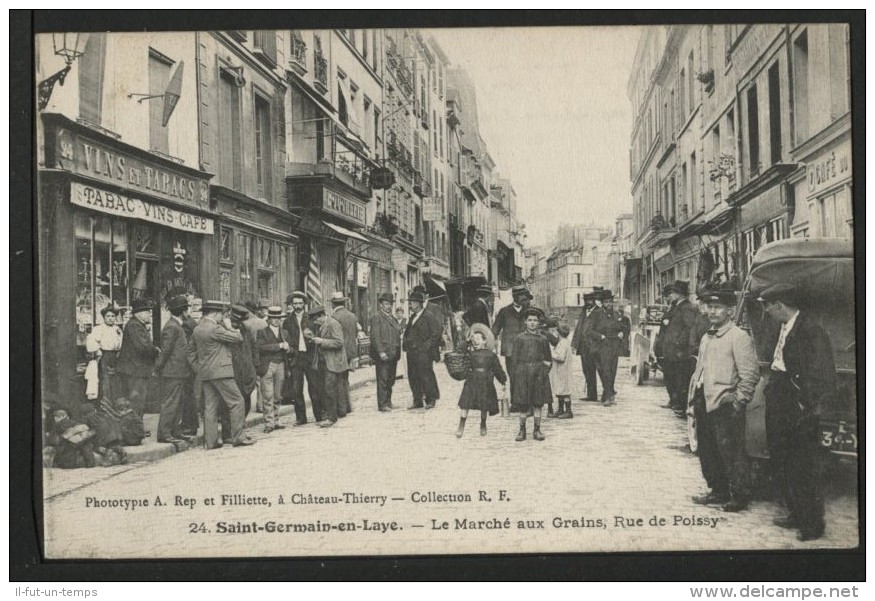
(823, 271)
(643, 359)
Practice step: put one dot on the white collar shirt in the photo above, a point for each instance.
(778, 361)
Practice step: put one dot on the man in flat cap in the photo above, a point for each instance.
(421, 341)
(303, 363)
(210, 351)
(274, 350)
(385, 349)
(136, 358)
(801, 388)
(676, 343)
(509, 323)
(332, 363)
(584, 343)
(172, 365)
(721, 387)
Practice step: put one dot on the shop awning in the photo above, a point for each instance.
(345, 232)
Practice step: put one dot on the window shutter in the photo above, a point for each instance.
(91, 74)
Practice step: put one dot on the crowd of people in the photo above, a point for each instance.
(240, 354)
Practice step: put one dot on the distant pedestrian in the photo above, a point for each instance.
(349, 323)
(211, 353)
(385, 350)
(560, 374)
(480, 311)
(172, 366)
(421, 340)
(721, 387)
(399, 317)
(532, 363)
(801, 389)
(137, 355)
(478, 392)
(274, 350)
(332, 363)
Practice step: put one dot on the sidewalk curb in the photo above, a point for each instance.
(154, 451)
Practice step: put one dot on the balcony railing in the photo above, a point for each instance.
(320, 74)
(298, 62)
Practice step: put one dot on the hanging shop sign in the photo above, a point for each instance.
(347, 207)
(399, 260)
(118, 166)
(382, 178)
(363, 272)
(432, 209)
(122, 205)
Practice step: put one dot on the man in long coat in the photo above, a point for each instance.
(349, 323)
(480, 311)
(583, 342)
(385, 349)
(174, 370)
(510, 323)
(332, 362)
(136, 358)
(421, 342)
(800, 391)
(436, 315)
(210, 351)
(676, 345)
(611, 331)
(303, 363)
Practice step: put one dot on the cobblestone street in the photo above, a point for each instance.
(612, 479)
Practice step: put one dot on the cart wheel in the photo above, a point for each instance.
(691, 434)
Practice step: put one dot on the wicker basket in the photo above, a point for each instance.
(458, 364)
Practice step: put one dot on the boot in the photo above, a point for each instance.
(461, 429)
(562, 409)
(522, 433)
(550, 412)
(537, 433)
(567, 414)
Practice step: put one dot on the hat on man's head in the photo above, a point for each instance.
(338, 298)
(521, 290)
(316, 310)
(785, 293)
(416, 296)
(239, 312)
(484, 290)
(589, 296)
(294, 295)
(110, 309)
(141, 304)
(680, 286)
(275, 311)
(214, 305)
(722, 296)
(386, 297)
(177, 302)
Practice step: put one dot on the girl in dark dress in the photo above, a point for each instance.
(532, 362)
(479, 390)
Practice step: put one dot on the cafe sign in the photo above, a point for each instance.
(828, 169)
(123, 205)
(344, 206)
(117, 166)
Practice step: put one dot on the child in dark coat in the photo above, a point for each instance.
(533, 360)
(479, 390)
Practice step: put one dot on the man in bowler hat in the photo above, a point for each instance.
(421, 342)
(676, 345)
(480, 311)
(385, 349)
(303, 363)
(172, 366)
(800, 391)
(509, 323)
(610, 332)
(584, 344)
(136, 358)
(211, 353)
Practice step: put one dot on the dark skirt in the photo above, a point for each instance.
(479, 392)
(531, 386)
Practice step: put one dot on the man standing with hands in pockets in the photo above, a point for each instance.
(273, 348)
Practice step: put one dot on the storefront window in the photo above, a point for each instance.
(226, 248)
(225, 285)
(245, 256)
(101, 272)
